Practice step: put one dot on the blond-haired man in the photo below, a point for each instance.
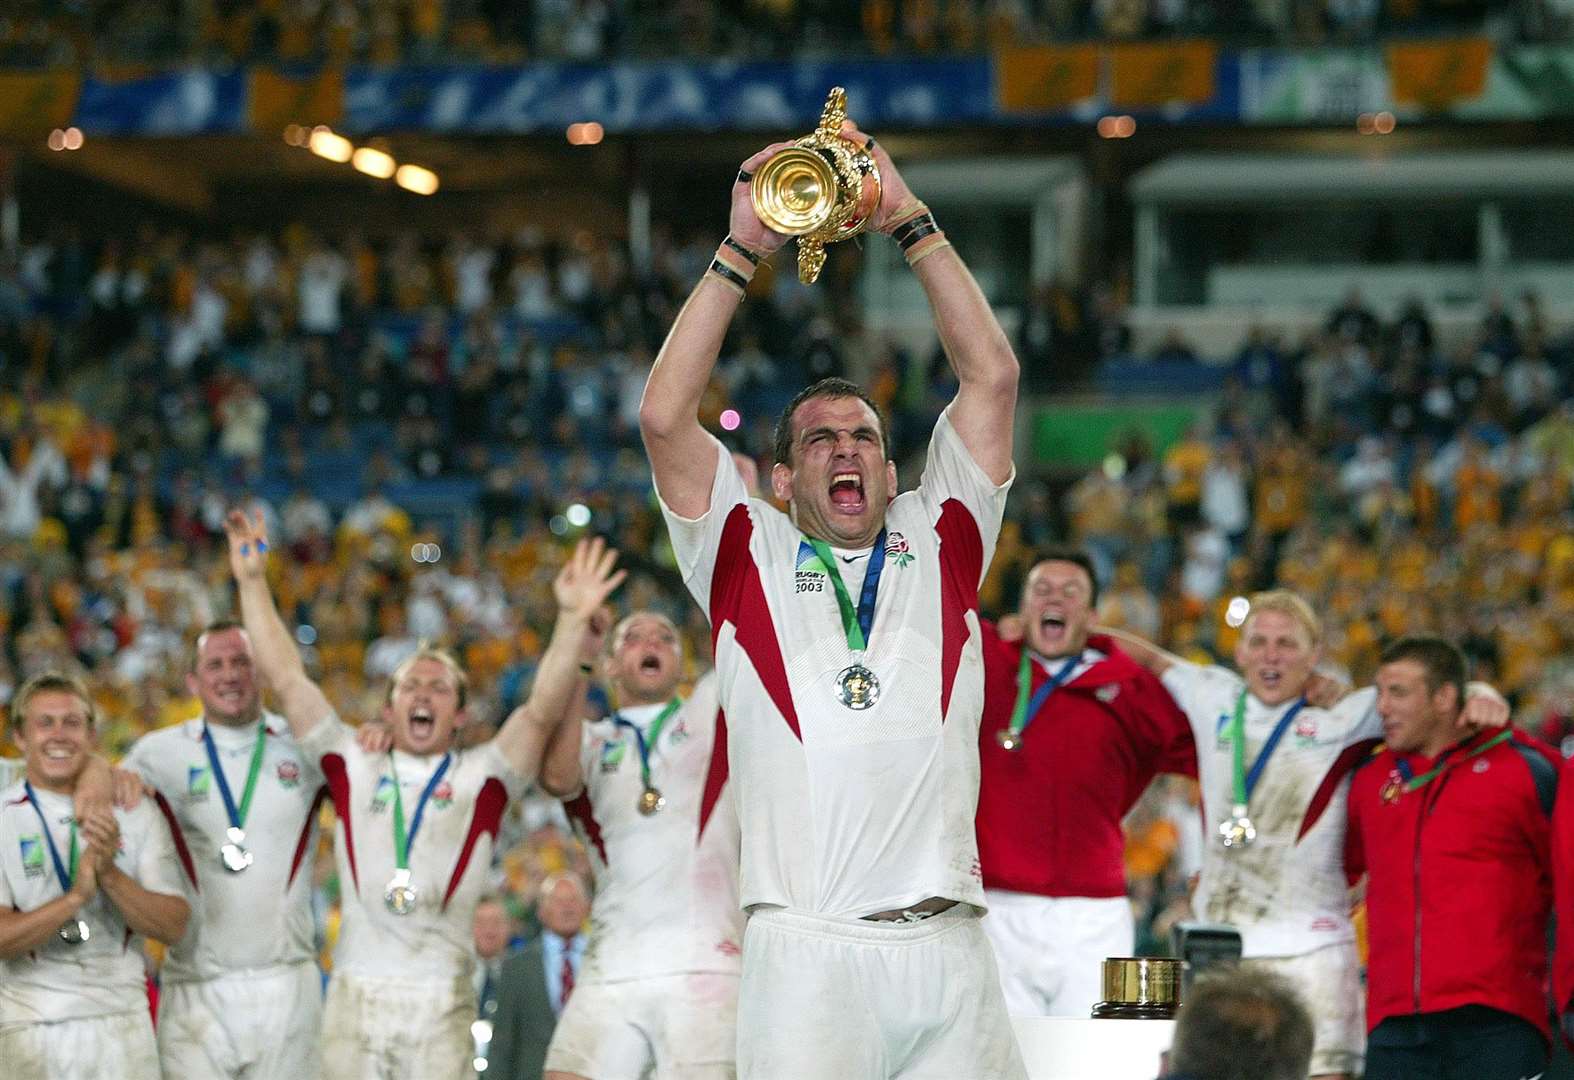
(1274, 771)
(78, 892)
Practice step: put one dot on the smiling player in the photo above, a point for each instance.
(1073, 732)
(78, 892)
(1274, 773)
(417, 825)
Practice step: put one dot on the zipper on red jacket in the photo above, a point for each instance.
(1431, 797)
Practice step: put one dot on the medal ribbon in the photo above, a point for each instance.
(66, 876)
(237, 816)
(404, 841)
(1418, 782)
(856, 622)
(1026, 710)
(1246, 781)
(647, 744)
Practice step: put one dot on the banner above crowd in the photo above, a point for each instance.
(1176, 82)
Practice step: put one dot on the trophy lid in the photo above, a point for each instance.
(1142, 980)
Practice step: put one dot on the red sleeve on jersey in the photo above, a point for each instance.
(1349, 759)
(181, 850)
(738, 597)
(716, 774)
(306, 832)
(337, 774)
(961, 566)
(581, 811)
(490, 802)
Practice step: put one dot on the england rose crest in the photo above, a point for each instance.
(289, 774)
(896, 549)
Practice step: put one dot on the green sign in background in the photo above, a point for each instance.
(1081, 435)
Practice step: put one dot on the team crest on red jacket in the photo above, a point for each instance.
(289, 774)
(1107, 694)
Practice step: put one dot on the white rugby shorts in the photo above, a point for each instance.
(116, 1047)
(1051, 949)
(1329, 982)
(836, 997)
(398, 1029)
(672, 1027)
(262, 1024)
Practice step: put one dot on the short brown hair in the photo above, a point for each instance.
(217, 626)
(833, 388)
(47, 682)
(442, 656)
(1240, 1024)
(1442, 661)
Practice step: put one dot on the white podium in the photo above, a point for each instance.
(1071, 1048)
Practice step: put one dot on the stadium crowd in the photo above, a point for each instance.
(35, 33)
(424, 423)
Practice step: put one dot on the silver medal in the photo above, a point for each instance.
(1238, 832)
(75, 932)
(233, 852)
(857, 687)
(400, 897)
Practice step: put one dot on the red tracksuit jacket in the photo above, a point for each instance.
(1459, 882)
(1049, 814)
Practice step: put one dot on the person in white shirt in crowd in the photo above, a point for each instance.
(1274, 771)
(78, 893)
(417, 825)
(241, 993)
(848, 665)
(646, 790)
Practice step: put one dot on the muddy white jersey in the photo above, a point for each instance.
(450, 858)
(260, 917)
(1286, 891)
(849, 811)
(103, 975)
(666, 898)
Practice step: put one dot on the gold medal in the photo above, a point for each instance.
(1009, 740)
(651, 800)
(857, 687)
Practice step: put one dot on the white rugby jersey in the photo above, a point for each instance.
(846, 812)
(262, 916)
(667, 884)
(103, 975)
(449, 861)
(1286, 891)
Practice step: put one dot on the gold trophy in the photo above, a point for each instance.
(823, 188)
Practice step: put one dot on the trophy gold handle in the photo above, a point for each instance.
(823, 188)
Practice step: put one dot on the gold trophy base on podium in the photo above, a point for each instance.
(821, 189)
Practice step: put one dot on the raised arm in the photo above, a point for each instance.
(582, 586)
(682, 460)
(277, 657)
(1143, 651)
(560, 770)
(978, 350)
